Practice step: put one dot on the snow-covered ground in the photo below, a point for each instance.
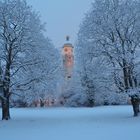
(98, 123)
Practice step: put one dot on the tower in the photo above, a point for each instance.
(67, 66)
(68, 58)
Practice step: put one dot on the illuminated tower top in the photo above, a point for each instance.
(68, 58)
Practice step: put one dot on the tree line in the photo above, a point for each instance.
(106, 57)
(28, 59)
(108, 52)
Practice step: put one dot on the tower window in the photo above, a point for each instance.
(69, 77)
(65, 49)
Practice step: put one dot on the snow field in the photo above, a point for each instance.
(98, 123)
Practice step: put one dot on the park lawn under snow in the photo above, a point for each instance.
(98, 123)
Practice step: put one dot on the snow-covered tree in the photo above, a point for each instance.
(39, 81)
(24, 51)
(108, 42)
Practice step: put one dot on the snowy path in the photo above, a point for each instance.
(99, 123)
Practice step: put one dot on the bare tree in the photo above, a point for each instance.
(111, 31)
(19, 29)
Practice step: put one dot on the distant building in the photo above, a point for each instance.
(67, 73)
(68, 58)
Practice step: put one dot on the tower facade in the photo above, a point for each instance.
(68, 59)
(67, 73)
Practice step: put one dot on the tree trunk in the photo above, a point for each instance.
(125, 76)
(5, 109)
(6, 89)
(132, 79)
(135, 103)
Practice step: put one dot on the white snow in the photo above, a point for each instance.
(98, 123)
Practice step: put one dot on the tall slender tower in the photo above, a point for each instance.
(68, 59)
(68, 66)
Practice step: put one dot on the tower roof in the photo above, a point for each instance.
(68, 44)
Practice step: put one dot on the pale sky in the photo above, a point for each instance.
(62, 17)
